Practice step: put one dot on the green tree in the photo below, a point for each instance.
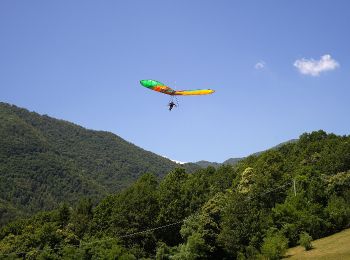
(243, 224)
(63, 214)
(173, 205)
(203, 228)
(106, 248)
(82, 216)
(298, 214)
(275, 245)
(129, 212)
(338, 212)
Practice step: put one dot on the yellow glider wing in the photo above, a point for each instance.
(193, 92)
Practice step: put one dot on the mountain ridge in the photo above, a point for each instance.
(235, 160)
(44, 161)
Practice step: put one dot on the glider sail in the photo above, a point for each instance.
(160, 87)
(194, 92)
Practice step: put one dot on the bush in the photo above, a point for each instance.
(275, 245)
(338, 212)
(305, 241)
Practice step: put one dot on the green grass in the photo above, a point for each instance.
(336, 246)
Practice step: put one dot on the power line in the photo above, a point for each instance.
(152, 229)
(181, 221)
(146, 230)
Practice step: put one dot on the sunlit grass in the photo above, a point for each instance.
(336, 246)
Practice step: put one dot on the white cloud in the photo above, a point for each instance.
(260, 65)
(315, 67)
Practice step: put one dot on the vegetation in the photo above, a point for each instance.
(205, 164)
(45, 161)
(275, 245)
(305, 240)
(247, 211)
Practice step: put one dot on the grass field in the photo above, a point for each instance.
(336, 246)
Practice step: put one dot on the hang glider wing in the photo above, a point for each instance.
(194, 92)
(157, 86)
(160, 87)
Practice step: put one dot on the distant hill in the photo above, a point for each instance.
(44, 161)
(234, 161)
(276, 146)
(205, 164)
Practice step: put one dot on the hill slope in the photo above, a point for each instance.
(205, 164)
(234, 161)
(247, 211)
(332, 247)
(44, 161)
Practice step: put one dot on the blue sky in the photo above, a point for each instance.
(81, 61)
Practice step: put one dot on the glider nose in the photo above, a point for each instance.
(143, 82)
(148, 83)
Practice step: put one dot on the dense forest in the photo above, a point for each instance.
(45, 161)
(252, 210)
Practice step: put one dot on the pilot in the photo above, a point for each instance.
(171, 105)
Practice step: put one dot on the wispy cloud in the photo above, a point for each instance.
(315, 67)
(260, 65)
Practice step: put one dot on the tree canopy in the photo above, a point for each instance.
(257, 208)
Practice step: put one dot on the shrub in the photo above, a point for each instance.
(274, 246)
(305, 241)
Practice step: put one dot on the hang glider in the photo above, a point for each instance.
(160, 87)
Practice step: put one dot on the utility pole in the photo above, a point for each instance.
(295, 191)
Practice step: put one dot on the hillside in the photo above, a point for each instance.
(234, 161)
(44, 161)
(336, 246)
(205, 164)
(231, 161)
(253, 210)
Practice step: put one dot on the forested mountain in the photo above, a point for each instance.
(234, 161)
(45, 161)
(205, 164)
(252, 210)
